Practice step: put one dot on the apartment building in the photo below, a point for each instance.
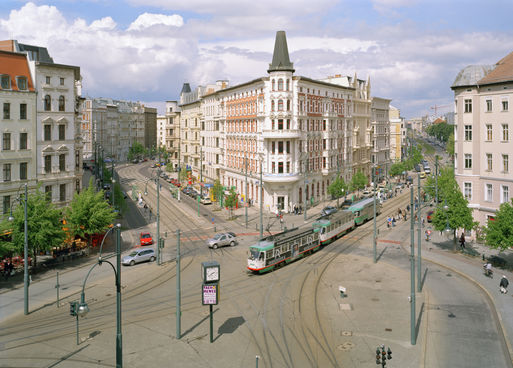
(397, 134)
(18, 126)
(172, 133)
(483, 147)
(380, 123)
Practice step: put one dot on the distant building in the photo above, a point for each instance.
(397, 135)
(482, 140)
(380, 123)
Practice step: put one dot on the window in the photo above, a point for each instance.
(468, 132)
(273, 147)
(48, 164)
(23, 171)
(22, 83)
(47, 132)
(61, 103)
(61, 81)
(7, 172)
(288, 146)
(48, 193)
(489, 162)
(504, 105)
(488, 105)
(273, 167)
(6, 142)
(280, 105)
(468, 191)
(62, 132)
(505, 163)
(23, 141)
(280, 147)
(280, 167)
(62, 162)
(489, 193)
(505, 133)
(48, 103)
(48, 80)
(280, 84)
(7, 110)
(62, 192)
(23, 111)
(468, 105)
(505, 194)
(468, 161)
(6, 82)
(288, 85)
(488, 132)
(6, 205)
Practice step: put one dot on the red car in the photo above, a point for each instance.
(146, 239)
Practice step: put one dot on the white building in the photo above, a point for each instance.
(18, 127)
(380, 123)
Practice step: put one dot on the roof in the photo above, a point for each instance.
(15, 65)
(360, 204)
(186, 88)
(471, 75)
(281, 61)
(503, 71)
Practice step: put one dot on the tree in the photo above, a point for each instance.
(183, 174)
(359, 181)
(450, 145)
(135, 151)
(397, 169)
(231, 201)
(7, 247)
(218, 192)
(44, 226)
(446, 184)
(499, 231)
(338, 189)
(89, 213)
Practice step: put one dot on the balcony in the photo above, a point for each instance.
(281, 178)
(282, 133)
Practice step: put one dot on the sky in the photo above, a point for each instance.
(144, 50)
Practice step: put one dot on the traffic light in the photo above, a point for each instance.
(378, 356)
(73, 308)
(389, 353)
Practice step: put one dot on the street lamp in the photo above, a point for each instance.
(25, 253)
(374, 187)
(261, 198)
(413, 335)
(305, 156)
(157, 181)
(83, 308)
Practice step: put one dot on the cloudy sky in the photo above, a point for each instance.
(144, 50)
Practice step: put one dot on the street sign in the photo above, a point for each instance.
(210, 294)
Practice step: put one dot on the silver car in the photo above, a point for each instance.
(138, 256)
(222, 239)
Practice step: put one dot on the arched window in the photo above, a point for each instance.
(48, 103)
(288, 85)
(280, 105)
(273, 85)
(61, 103)
(280, 84)
(288, 105)
(272, 105)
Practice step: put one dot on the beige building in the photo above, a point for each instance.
(483, 146)
(380, 123)
(172, 133)
(397, 134)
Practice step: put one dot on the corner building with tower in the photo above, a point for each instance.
(298, 131)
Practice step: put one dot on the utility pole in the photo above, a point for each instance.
(413, 336)
(306, 169)
(261, 201)
(246, 195)
(374, 206)
(178, 293)
(201, 173)
(158, 212)
(419, 258)
(436, 180)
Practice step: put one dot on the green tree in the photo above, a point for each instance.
(499, 231)
(218, 192)
(231, 201)
(450, 145)
(7, 247)
(359, 181)
(183, 175)
(44, 226)
(89, 213)
(397, 169)
(446, 184)
(338, 189)
(135, 151)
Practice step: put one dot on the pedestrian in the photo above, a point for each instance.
(462, 241)
(6, 270)
(423, 221)
(393, 221)
(408, 207)
(503, 285)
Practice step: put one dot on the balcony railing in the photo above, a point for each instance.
(282, 133)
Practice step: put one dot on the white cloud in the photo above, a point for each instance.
(106, 23)
(146, 20)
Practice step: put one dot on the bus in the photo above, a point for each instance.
(364, 210)
(279, 249)
(331, 227)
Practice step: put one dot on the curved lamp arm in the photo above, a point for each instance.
(105, 236)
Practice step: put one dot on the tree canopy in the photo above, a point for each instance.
(440, 131)
(359, 181)
(338, 188)
(231, 200)
(499, 231)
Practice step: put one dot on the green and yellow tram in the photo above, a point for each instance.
(364, 210)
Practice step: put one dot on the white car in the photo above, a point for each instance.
(139, 255)
(222, 239)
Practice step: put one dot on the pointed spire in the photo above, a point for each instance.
(281, 61)
(186, 88)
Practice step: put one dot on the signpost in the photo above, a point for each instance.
(210, 272)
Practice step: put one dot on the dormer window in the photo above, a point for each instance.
(5, 81)
(22, 83)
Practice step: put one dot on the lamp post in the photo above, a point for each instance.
(305, 155)
(413, 335)
(157, 181)
(25, 253)
(374, 208)
(261, 198)
(83, 308)
(246, 194)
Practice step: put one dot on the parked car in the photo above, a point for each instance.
(427, 170)
(222, 239)
(328, 210)
(417, 168)
(366, 193)
(429, 216)
(138, 256)
(146, 239)
(422, 175)
(206, 200)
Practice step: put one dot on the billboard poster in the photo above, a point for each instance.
(210, 293)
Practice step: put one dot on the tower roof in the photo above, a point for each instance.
(186, 88)
(281, 61)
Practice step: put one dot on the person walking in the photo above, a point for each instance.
(462, 241)
(503, 285)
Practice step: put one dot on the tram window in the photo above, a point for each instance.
(261, 258)
(357, 213)
(323, 230)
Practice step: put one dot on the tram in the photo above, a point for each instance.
(331, 227)
(279, 249)
(364, 210)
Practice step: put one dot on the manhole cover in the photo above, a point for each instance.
(347, 333)
(346, 346)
